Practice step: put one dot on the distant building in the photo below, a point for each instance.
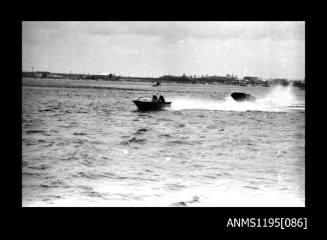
(42, 74)
(250, 79)
(28, 74)
(300, 84)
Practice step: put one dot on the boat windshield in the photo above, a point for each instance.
(145, 99)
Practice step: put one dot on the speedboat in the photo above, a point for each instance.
(146, 104)
(241, 97)
(156, 84)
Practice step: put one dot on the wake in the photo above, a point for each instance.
(279, 99)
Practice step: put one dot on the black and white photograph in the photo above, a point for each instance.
(163, 114)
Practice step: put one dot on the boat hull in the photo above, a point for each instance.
(241, 97)
(146, 106)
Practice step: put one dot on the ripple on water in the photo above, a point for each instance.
(79, 133)
(134, 140)
(175, 186)
(48, 186)
(185, 203)
(141, 131)
(210, 176)
(87, 163)
(41, 167)
(51, 198)
(92, 193)
(47, 110)
(179, 142)
(251, 187)
(87, 175)
(165, 135)
(32, 174)
(34, 131)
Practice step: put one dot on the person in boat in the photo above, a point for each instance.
(154, 98)
(161, 99)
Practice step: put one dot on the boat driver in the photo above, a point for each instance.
(154, 98)
(161, 99)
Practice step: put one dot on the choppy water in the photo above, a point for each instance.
(85, 144)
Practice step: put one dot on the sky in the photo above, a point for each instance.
(153, 49)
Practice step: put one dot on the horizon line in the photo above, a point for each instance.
(168, 74)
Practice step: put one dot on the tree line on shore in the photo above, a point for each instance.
(192, 79)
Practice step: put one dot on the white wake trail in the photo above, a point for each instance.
(278, 99)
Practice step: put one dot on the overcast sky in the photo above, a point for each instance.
(263, 49)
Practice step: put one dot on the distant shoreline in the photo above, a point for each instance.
(68, 83)
(168, 80)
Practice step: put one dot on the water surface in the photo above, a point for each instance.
(85, 144)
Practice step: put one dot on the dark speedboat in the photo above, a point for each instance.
(241, 97)
(156, 84)
(146, 104)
